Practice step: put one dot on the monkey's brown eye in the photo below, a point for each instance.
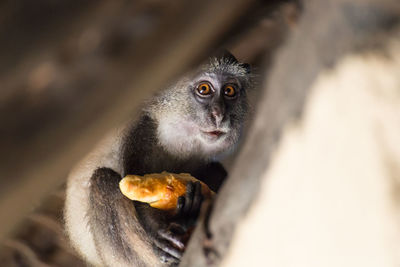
(230, 91)
(204, 89)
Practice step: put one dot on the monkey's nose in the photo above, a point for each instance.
(217, 115)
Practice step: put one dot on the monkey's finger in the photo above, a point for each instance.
(189, 197)
(180, 205)
(167, 258)
(197, 199)
(167, 248)
(176, 240)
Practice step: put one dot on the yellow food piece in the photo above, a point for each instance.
(160, 190)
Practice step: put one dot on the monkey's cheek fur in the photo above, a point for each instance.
(159, 190)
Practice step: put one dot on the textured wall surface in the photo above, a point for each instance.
(331, 194)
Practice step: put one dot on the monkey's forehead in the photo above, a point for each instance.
(217, 77)
(225, 66)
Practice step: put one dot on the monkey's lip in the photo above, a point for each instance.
(214, 133)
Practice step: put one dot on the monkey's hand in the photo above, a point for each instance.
(171, 242)
(189, 205)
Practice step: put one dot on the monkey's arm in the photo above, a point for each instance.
(118, 236)
(126, 232)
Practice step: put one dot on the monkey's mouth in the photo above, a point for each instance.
(214, 134)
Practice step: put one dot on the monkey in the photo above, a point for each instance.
(185, 128)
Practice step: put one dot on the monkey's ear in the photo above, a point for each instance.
(223, 53)
(246, 66)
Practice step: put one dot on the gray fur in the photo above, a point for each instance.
(172, 134)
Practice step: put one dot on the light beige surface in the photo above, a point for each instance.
(331, 196)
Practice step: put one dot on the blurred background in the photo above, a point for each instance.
(71, 70)
(316, 182)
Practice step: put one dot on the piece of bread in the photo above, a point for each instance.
(160, 190)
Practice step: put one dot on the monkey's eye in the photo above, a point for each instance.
(230, 91)
(204, 89)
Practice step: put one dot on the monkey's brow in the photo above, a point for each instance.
(230, 80)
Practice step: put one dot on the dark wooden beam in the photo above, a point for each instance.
(72, 71)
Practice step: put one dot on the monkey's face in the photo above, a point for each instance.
(218, 106)
(204, 116)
